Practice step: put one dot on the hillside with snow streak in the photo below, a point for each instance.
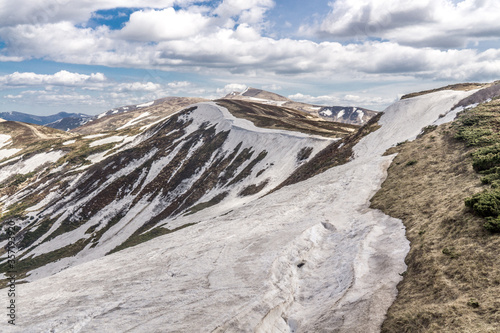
(311, 257)
(198, 158)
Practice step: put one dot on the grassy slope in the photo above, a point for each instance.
(270, 116)
(453, 278)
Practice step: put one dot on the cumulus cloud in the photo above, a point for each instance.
(247, 11)
(431, 23)
(232, 87)
(244, 51)
(36, 12)
(61, 78)
(166, 24)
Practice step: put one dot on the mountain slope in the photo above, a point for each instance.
(195, 159)
(347, 115)
(136, 115)
(309, 257)
(451, 284)
(23, 138)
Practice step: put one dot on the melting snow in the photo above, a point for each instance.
(70, 142)
(134, 121)
(93, 136)
(5, 153)
(313, 252)
(5, 140)
(360, 115)
(146, 104)
(29, 165)
(107, 140)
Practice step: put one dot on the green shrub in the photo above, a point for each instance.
(486, 203)
(486, 158)
(492, 224)
(475, 136)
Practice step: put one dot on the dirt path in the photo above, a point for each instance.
(44, 136)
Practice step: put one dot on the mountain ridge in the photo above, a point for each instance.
(199, 196)
(343, 114)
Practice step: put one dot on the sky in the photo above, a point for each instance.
(93, 55)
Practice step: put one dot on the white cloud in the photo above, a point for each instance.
(61, 78)
(63, 38)
(232, 87)
(137, 86)
(36, 12)
(245, 51)
(432, 23)
(248, 11)
(9, 96)
(166, 24)
(6, 58)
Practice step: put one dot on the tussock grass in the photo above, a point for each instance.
(453, 278)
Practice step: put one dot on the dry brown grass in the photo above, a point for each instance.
(24, 134)
(275, 117)
(453, 261)
(161, 109)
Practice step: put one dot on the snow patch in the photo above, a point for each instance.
(31, 164)
(5, 140)
(93, 136)
(69, 142)
(107, 140)
(145, 105)
(6, 153)
(134, 121)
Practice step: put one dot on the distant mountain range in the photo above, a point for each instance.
(69, 121)
(62, 120)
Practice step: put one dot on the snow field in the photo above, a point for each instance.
(282, 148)
(310, 257)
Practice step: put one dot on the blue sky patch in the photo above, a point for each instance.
(114, 18)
